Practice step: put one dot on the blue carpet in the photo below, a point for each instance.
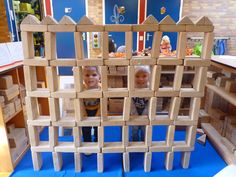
(205, 162)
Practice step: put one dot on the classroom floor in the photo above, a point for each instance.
(205, 162)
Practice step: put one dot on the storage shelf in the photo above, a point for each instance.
(215, 138)
(9, 118)
(21, 156)
(230, 97)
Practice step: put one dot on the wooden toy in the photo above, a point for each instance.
(156, 92)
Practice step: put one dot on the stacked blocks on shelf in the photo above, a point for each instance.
(50, 27)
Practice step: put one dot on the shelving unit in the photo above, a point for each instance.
(218, 139)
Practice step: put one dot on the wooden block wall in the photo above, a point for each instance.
(176, 92)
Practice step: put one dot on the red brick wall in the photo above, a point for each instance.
(221, 12)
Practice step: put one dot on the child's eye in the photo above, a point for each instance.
(94, 75)
(87, 75)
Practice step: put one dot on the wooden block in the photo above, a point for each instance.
(33, 28)
(50, 46)
(90, 62)
(53, 136)
(33, 136)
(113, 121)
(105, 42)
(169, 160)
(30, 20)
(169, 61)
(65, 147)
(126, 162)
(145, 27)
(166, 92)
(100, 164)
(78, 77)
(148, 135)
(86, 21)
(116, 93)
(100, 137)
(39, 93)
(90, 121)
(185, 21)
(190, 92)
(138, 120)
(116, 62)
(202, 139)
(65, 122)
(57, 160)
(61, 28)
(91, 93)
(167, 20)
(52, 78)
(230, 146)
(194, 108)
(230, 86)
(170, 135)
(104, 112)
(156, 42)
(191, 135)
(37, 160)
(199, 28)
(30, 78)
(77, 134)
(79, 48)
(181, 45)
(212, 74)
(79, 109)
(6, 82)
(66, 93)
(156, 76)
(113, 147)
(207, 45)
(63, 62)
(152, 108)
(185, 159)
(142, 61)
(54, 109)
(78, 162)
(125, 136)
(172, 28)
(118, 28)
(40, 121)
(31, 108)
(88, 147)
(104, 81)
(178, 78)
(159, 146)
(185, 121)
(43, 146)
(174, 108)
(90, 28)
(128, 44)
(126, 108)
(67, 20)
(131, 78)
(200, 131)
(147, 161)
(197, 62)
(28, 44)
(142, 93)
(150, 20)
(36, 62)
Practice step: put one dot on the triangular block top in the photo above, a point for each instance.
(49, 20)
(185, 21)
(150, 20)
(200, 21)
(208, 21)
(167, 21)
(86, 21)
(31, 19)
(66, 20)
(202, 139)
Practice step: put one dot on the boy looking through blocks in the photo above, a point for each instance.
(91, 78)
(139, 106)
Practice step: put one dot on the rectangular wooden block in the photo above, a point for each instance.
(36, 62)
(92, 93)
(37, 160)
(57, 160)
(65, 147)
(137, 147)
(113, 147)
(90, 28)
(126, 162)
(78, 162)
(147, 161)
(100, 163)
(230, 86)
(116, 62)
(66, 93)
(145, 27)
(118, 28)
(169, 160)
(6, 82)
(116, 92)
(169, 61)
(63, 62)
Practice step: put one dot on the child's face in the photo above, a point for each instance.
(91, 77)
(141, 79)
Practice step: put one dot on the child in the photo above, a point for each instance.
(165, 45)
(91, 79)
(139, 106)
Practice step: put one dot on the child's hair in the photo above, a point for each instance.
(111, 46)
(165, 38)
(89, 67)
(145, 69)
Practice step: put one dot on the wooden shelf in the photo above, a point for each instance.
(21, 156)
(6, 68)
(215, 138)
(9, 118)
(230, 97)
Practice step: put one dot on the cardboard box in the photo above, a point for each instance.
(6, 82)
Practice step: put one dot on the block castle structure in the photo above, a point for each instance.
(52, 93)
